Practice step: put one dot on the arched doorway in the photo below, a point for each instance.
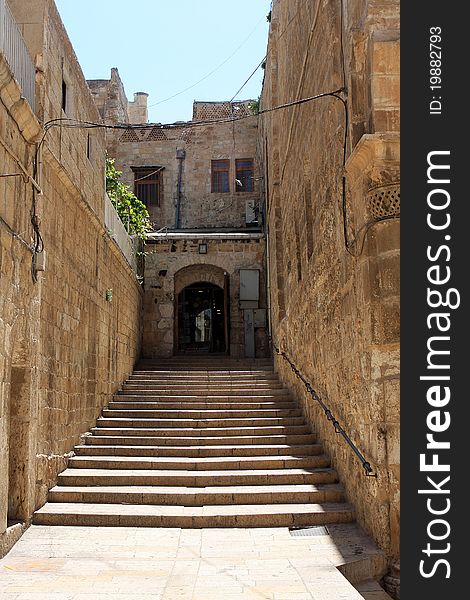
(202, 319)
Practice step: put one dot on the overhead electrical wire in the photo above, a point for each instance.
(213, 70)
(240, 89)
(77, 124)
(263, 60)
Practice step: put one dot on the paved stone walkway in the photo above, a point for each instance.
(127, 563)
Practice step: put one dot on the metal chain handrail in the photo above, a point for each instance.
(338, 429)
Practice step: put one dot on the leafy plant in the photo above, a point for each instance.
(132, 212)
(254, 106)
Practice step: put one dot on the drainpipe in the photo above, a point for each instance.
(180, 155)
(266, 225)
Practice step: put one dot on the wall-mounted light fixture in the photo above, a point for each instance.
(202, 248)
(109, 295)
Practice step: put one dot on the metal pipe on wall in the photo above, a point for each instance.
(180, 156)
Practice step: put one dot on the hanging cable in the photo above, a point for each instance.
(263, 60)
(213, 70)
(38, 243)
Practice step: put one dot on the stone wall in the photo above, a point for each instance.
(199, 207)
(172, 264)
(88, 346)
(333, 261)
(110, 98)
(63, 348)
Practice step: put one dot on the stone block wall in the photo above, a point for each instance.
(63, 96)
(334, 261)
(171, 265)
(19, 308)
(110, 98)
(200, 208)
(87, 345)
(64, 349)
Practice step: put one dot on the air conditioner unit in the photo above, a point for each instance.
(252, 212)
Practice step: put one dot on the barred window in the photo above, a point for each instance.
(148, 185)
(220, 175)
(244, 175)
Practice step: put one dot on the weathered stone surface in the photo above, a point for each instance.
(200, 209)
(168, 272)
(63, 348)
(334, 311)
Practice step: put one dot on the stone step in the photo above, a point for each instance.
(145, 404)
(212, 360)
(188, 496)
(208, 463)
(196, 440)
(198, 358)
(198, 451)
(246, 432)
(273, 515)
(273, 384)
(200, 424)
(208, 371)
(92, 477)
(201, 389)
(203, 414)
(187, 399)
(370, 589)
(210, 392)
(198, 443)
(176, 378)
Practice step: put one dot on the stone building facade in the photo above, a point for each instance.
(286, 222)
(334, 256)
(201, 183)
(64, 346)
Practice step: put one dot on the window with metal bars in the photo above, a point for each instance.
(220, 176)
(148, 185)
(244, 175)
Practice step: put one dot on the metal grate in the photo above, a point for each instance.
(13, 47)
(210, 111)
(384, 201)
(313, 531)
(156, 134)
(129, 136)
(187, 136)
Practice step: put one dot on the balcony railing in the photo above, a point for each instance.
(13, 47)
(127, 244)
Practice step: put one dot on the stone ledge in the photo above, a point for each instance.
(204, 236)
(10, 536)
(373, 178)
(372, 154)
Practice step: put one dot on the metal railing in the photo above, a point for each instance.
(13, 47)
(338, 429)
(128, 245)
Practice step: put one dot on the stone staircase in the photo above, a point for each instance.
(199, 442)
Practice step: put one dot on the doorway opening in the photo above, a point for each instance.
(202, 319)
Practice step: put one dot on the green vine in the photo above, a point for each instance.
(132, 212)
(254, 106)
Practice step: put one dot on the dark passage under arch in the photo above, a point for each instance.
(201, 319)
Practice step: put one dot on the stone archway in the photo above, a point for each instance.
(202, 313)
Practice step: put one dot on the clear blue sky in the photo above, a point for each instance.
(164, 46)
